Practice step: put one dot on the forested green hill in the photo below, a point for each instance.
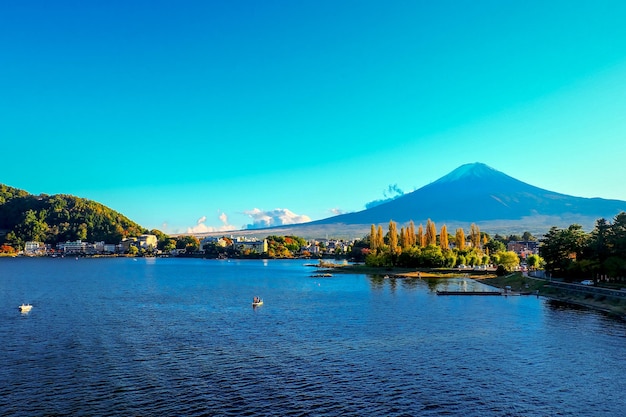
(59, 218)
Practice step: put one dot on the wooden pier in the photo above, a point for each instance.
(469, 293)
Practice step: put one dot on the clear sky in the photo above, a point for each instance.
(205, 115)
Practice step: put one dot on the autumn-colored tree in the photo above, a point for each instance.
(411, 233)
(167, 245)
(380, 240)
(459, 239)
(405, 238)
(431, 233)
(420, 237)
(59, 218)
(443, 237)
(475, 236)
(393, 237)
(6, 249)
(509, 260)
(373, 238)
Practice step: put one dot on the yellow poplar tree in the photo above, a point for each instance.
(475, 236)
(431, 233)
(380, 240)
(411, 233)
(459, 239)
(405, 239)
(420, 237)
(373, 238)
(393, 237)
(443, 237)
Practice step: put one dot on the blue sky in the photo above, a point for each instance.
(207, 115)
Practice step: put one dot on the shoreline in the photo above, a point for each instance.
(517, 282)
(612, 306)
(402, 273)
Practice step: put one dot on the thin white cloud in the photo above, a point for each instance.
(336, 211)
(276, 217)
(202, 227)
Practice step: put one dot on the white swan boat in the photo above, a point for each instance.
(25, 308)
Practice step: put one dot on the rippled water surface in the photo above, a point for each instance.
(112, 337)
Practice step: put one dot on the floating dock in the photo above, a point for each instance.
(469, 293)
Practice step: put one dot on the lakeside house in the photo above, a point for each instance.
(145, 241)
(327, 246)
(242, 244)
(78, 247)
(148, 242)
(34, 248)
(217, 241)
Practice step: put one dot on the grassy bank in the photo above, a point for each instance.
(612, 305)
(518, 282)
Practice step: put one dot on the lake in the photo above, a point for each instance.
(179, 337)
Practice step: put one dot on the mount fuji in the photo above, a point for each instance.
(472, 193)
(477, 193)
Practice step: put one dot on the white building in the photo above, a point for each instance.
(77, 246)
(102, 247)
(217, 241)
(148, 242)
(34, 248)
(127, 243)
(258, 246)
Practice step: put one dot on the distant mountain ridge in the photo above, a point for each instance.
(478, 193)
(472, 193)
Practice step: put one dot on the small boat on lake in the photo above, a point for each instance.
(25, 308)
(257, 301)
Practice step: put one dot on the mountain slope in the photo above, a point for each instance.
(480, 194)
(59, 218)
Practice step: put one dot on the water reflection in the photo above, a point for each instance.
(564, 306)
(432, 284)
(462, 283)
(411, 283)
(377, 282)
(393, 283)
